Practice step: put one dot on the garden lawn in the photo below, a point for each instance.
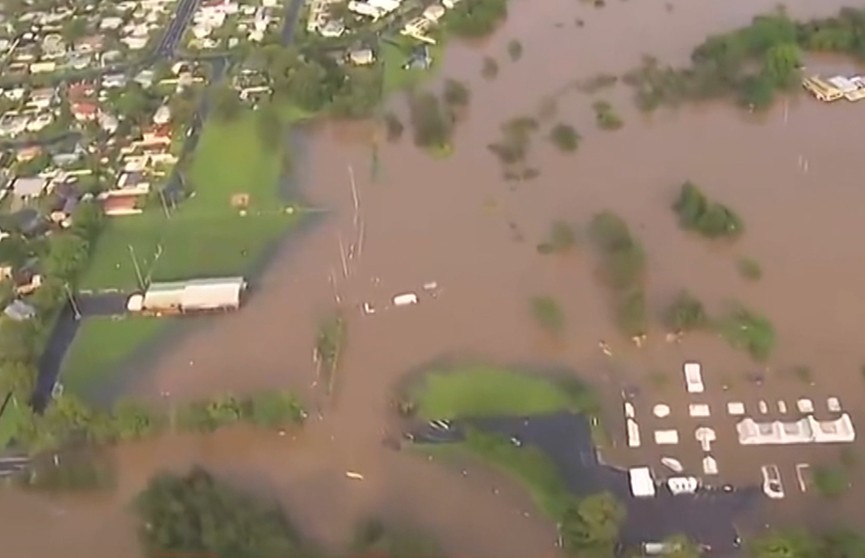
(101, 346)
(205, 235)
(10, 421)
(480, 390)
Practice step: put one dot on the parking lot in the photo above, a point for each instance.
(778, 458)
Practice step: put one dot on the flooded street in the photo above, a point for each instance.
(458, 223)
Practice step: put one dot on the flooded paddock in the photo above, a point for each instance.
(453, 221)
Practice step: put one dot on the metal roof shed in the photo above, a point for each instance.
(206, 294)
(164, 295)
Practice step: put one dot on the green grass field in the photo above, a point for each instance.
(10, 421)
(528, 465)
(481, 390)
(205, 235)
(100, 348)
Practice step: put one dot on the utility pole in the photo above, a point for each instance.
(72, 302)
(354, 194)
(342, 256)
(135, 265)
(153, 264)
(164, 203)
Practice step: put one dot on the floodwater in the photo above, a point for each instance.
(453, 222)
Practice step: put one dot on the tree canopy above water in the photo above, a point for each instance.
(751, 63)
(195, 514)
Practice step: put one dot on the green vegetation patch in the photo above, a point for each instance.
(548, 314)
(606, 116)
(527, 464)
(750, 64)
(194, 514)
(101, 346)
(328, 346)
(12, 420)
(831, 482)
(394, 56)
(623, 268)
(476, 18)
(483, 390)
(711, 219)
(750, 269)
(234, 213)
(562, 239)
(686, 313)
(565, 137)
(745, 330)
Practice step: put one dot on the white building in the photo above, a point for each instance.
(222, 293)
(807, 430)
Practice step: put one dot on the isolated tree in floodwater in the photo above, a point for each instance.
(195, 513)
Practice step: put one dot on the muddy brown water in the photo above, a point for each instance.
(448, 221)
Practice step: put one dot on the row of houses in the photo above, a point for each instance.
(247, 20)
(67, 39)
(321, 21)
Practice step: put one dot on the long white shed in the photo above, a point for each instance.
(194, 295)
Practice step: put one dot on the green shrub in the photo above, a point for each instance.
(686, 313)
(750, 269)
(515, 50)
(548, 313)
(490, 68)
(606, 116)
(456, 94)
(710, 219)
(750, 332)
(565, 137)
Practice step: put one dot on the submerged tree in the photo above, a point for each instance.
(196, 514)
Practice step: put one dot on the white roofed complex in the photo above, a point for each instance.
(804, 431)
(194, 295)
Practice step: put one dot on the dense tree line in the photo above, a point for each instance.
(61, 256)
(751, 63)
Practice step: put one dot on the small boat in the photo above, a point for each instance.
(353, 475)
(672, 464)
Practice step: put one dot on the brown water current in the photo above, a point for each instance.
(450, 221)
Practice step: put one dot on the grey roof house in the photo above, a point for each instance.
(19, 311)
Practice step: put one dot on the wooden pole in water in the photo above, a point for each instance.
(354, 194)
(342, 256)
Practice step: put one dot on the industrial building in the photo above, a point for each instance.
(196, 295)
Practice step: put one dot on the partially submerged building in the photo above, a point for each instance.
(807, 430)
(196, 295)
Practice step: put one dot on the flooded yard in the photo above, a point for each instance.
(458, 223)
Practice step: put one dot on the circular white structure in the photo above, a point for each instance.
(660, 410)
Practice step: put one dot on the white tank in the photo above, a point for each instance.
(135, 303)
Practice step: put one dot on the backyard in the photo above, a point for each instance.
(207, 234)
(101, 345)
